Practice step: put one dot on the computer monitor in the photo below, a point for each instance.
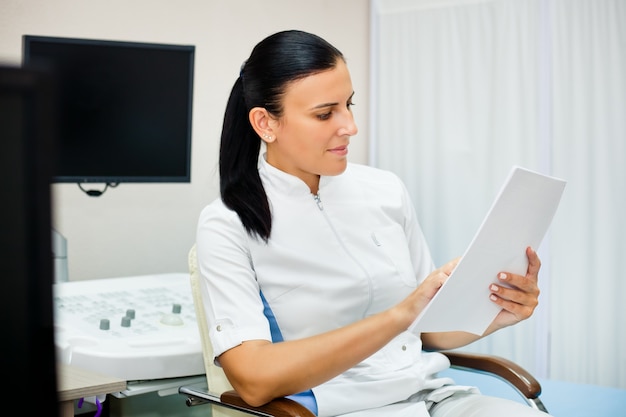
(125, 108)
(26, 144)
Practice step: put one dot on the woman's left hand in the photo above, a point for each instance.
(519, 294)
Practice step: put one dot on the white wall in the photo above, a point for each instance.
(138, 229)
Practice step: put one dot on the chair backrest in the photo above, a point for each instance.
(216, 379)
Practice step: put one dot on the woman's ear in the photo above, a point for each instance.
(262, 122)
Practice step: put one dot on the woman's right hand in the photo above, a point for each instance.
(421, 296)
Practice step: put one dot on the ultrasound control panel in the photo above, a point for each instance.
(134, 328)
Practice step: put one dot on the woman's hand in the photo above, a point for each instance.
(413, 305)
(518, 295)
(435, 280)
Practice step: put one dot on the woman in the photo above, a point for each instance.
(324, 256)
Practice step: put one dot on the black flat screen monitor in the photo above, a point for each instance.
(26, 142)
(125, 108)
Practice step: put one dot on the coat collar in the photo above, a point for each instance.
(285, 183)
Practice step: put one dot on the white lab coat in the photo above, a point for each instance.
(354, 250)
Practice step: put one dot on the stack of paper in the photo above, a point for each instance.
(519, 217)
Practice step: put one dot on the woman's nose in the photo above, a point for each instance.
(349, 126)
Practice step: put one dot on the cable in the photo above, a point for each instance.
(98, 403)
(98, 193)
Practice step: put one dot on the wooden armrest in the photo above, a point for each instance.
(504, 368)
(280, 407)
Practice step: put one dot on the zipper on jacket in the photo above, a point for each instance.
(366, 274)
(318, 201)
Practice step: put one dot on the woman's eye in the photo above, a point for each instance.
(326, 116)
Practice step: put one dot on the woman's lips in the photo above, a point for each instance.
(340, 150)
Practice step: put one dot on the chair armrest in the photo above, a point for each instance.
(501, 367)
(279, 407)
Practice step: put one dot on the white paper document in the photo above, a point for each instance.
(519, 217)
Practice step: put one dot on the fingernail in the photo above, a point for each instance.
(493, 287)
(502, 276)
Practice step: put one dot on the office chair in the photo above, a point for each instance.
(226, 402)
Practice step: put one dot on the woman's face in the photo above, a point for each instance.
(311, 137)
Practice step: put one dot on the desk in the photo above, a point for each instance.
(75, 383)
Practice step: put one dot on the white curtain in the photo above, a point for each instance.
(588, 323)
(464, 89)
